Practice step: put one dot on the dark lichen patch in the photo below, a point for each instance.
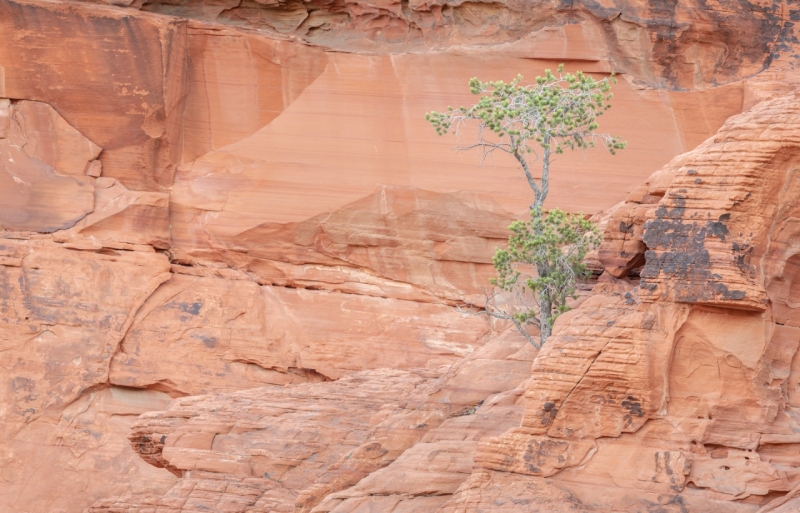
(669, 234)
(25, 398)
(742, 254)
(549, 413)
(717, 229)
(663, 212)
(209, 341)
(545, 453)
(633, 405)
(629, 298)
(647, 286)
(692, 266)
(678, 250)
(722, 290)
(664, 462)
(191, 308)
(633, 409)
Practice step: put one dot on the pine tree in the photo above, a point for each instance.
(530, 123)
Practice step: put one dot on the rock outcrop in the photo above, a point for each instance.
(64, 313)
(660, 392)
(270, 449)
(688, 376)
(687, 45)
(243, 202)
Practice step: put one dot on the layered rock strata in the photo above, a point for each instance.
(688, 375)
(687, 45)
(660, 393)
(286, 448)
(192, 206)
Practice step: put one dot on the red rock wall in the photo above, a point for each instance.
(191, 206)
(691, 381)
(644, 399)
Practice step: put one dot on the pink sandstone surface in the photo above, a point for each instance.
(236, 266)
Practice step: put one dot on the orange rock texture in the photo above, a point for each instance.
(239, 272)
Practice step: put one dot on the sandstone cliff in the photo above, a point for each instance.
(673, 393)
(233, 216)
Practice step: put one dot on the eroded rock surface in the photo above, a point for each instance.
(202, 199)
(686, 45)
(64, 313)
(646, 397)
(199, 334)
(690, 378)
(277, 449)
(39, 149)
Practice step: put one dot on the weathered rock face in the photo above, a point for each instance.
(40, 151)
(647, 397)
(191, 206)
(121, 91)
(398, 242)
(197, 334)
(689, 375)
(64, 313)
(277, 449)
(684, 45)
(190, 88)
(93, 338)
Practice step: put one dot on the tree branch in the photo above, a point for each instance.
(531, 181)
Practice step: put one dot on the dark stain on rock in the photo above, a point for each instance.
(633, 409)
(518, 502)
(742, 254)
(724, 42)
(717, 229)
(209, 342)
(191, 308)
(21, 384)
(550, 412)
(675, 476)
(633, 406)
(677, 500)
(540, 454)
(721, 289)
(682, 254)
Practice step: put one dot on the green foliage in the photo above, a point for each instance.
(544, 260)
(559, 111)
(545, 256)
(562, 108)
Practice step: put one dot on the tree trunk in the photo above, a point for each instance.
(545, 302)
(546, 317)
(540, 193)
(545, 309)
(544, 183)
